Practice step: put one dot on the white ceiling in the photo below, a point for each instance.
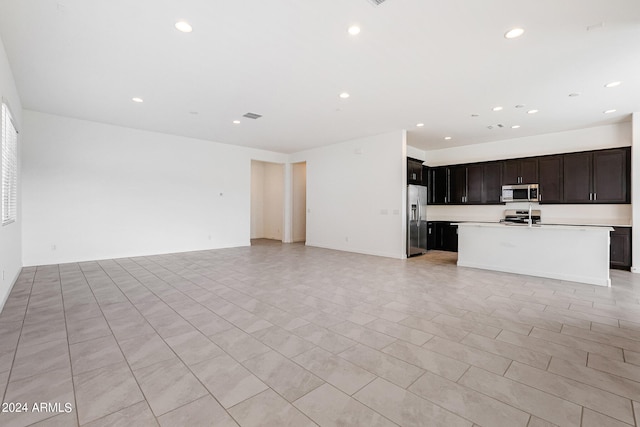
(430, 61)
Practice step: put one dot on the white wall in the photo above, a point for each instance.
(257, 199)
(635, 193)
(95, 191)
(355, 195)
(273, 200)
(10, 234)
(595, 138)
(415, 153)
(299, 206)
(267, 200)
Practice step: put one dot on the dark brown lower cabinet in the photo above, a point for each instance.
(431, 235)
(620, 249)
(442, 235)
(450, 238)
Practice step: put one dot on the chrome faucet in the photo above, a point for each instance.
(530, 222)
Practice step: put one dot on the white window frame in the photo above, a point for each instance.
(9, 142)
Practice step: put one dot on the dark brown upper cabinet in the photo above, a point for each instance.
(520, 171)
(458, 184)
(492, 182)
(611, 176)
(414, 171)
(577, 177)
(475, 184)
(437, 184)
(601, 176)
(550, 178)
(597, 176)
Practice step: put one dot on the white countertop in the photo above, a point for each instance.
(534, 226)
(596, 223)
(567, 222)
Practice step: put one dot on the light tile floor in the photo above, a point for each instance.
(288, 335)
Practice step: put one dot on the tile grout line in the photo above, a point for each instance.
(328, 329)
(66, 327)
(242, 282)
(271, 388)
(229, 355)
(572, 401)
(352, 396)
(20, 335)
(170, 348)
(119, 348)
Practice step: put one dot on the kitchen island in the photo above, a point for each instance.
(564, 252)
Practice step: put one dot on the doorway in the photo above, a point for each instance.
(299, 202)
(267, 200)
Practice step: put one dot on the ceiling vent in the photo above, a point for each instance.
(376, 2)
(252, 116)
(499, 125)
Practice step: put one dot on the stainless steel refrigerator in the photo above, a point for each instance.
(416, 220)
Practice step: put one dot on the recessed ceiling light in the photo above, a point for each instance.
(354, 30)
(420, 125)
(236, 122)
(613, 84)
(497, 108)
(574, 94)
(447, 138)
(137, 99)
(344, 95)
(515, 127)
(532, 111)
(513, 33)
(183, 26)
(609, 111)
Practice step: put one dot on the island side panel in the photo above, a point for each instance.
(577, 254)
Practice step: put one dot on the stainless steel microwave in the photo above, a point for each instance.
(520, 193)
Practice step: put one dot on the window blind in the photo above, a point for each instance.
(9, 167)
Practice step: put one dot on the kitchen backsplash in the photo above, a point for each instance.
(551, 214)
